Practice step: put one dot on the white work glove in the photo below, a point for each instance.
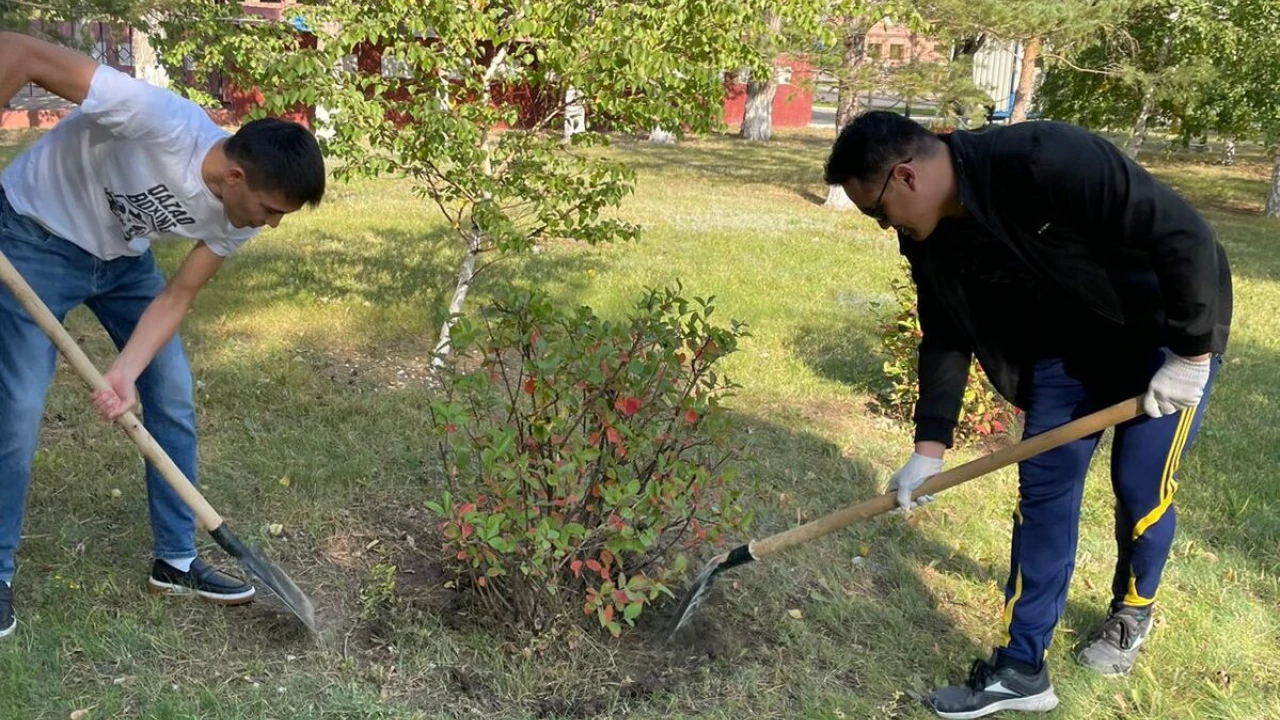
(1177, 385)
(911, 476)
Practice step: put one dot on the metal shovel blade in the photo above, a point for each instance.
(268, 574)
(701, 587)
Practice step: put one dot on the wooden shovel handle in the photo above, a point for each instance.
(1074, 430)
(151, 450)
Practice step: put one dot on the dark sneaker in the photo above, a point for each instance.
(1113, 648)
(996, 685)
(200, 580)
(8, 621)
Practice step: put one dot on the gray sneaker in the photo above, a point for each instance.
(1112, 649)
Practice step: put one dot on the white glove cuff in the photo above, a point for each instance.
(925, 465)
(1182, 370)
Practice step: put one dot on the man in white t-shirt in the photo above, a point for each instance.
(78, 211)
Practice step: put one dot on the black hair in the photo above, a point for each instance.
(872, 142)
(279, 156)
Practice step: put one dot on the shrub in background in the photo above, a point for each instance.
(984, 412)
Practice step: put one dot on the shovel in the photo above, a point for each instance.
(249, 558)
(760, 549)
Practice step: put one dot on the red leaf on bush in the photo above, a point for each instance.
(608, 614)
(528, 386)
(613, 435)
(462, 554)
(606, 558)
(466, 530)
(465, 508)
(482, 581)
(533, 337)
(620, 597)
(627, 405)
(450, 428)
(595, 438)
(691, 417)
(593, 565)
(997, 426)
(576, 567)
(615, 521)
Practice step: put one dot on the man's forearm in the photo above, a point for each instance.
(158, 324)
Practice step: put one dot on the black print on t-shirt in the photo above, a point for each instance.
(153, 211)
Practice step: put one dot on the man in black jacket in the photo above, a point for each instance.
(1077, 280)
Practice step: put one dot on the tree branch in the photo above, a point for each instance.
(1077, 68)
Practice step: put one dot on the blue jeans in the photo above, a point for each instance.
(117, 291)
(1145, 454)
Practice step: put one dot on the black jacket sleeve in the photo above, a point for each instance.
(943, 364)
(1090, 184)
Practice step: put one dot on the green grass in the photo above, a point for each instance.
(308, 349)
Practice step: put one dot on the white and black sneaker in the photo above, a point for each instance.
(1113, 648)
(994, 685)
(201, 580)
(8, 621)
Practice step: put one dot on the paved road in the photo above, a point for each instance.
(824, 116)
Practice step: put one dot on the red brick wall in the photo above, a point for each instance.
(792, 104)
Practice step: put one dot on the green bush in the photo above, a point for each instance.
(984, 412)
(583, 456)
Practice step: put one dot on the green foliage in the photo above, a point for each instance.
(949, 85)
(437, 98)
(983, 412)
(378, 593)
(1210, 68)
(19, 14)
(584, 455)
(1057, 22)
(1161, 48)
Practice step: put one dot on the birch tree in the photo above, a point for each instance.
(440, 113)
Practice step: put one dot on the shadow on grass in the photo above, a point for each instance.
(418, 270)
(848, 353)
(792, 161)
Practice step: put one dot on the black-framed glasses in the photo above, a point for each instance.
(877, 212)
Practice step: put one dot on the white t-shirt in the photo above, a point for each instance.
(122, 169)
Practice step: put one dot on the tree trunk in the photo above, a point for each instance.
(757, 116)
(837, 198)
(1026, 80)
(465, 275)
(1229, 152)
(467, 272)
(1139, 134)
(1273, 197)
(662, 137)
(855, 50)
